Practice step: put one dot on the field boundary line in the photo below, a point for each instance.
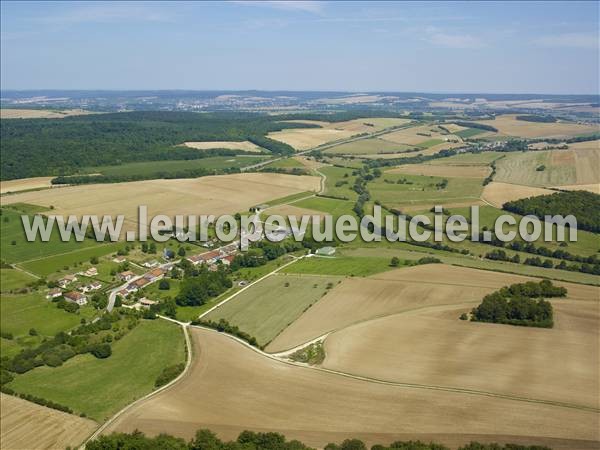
(407, 385)
(188, 363)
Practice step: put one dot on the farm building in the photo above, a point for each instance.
(127, 275)
(53, 293)
(91, 272)
(66, 280)
(75, 297)
(155, 274)
(208, 257)
(325, 251)
(119, 259)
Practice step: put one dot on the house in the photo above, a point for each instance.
(91, 272)
(95, 286)
(155, 274)
(119, 259)
(53, 293)
(66, 280)
(230, 249)
(208, 258)
(75, 297)
(140, 283)
(123, 293)
(150, 264)
(325, 251)
(227, 260)
(127, 275)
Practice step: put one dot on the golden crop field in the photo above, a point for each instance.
(419, 135)
(317, 407)
(26, 425)
(223, 194)
(508, 125)
(497, 193)
(246, 146)
(307, 138)
(432, 346)
(25, 184)
(9, 113)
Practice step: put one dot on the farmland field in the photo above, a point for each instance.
(115, 381)
(368, 147)
(431, 346)
(340, 266)
(421, 136)
(10, 113)
(497, 194)
(206, 195)
(508, 125)
(357, 300)
(561, 167)
(468, 159)
(215, 395)
(331, 206)
(25, 184)
(266, 308)
(246, 146)
(12, 279)
(307, 138)
(464, 171)
(25, 425)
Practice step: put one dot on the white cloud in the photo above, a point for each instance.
(569, 40)
(306, 6)
(109, 13)
(453, 40)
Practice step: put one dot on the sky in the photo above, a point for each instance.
(488, 47)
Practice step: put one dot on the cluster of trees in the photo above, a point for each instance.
(537, 118)
(87, 338)
(224, 326)
(250, 440)
(520, 304)
(168, 374)
(584, 205)
(37, 147)
(199, 285)
(480, 126)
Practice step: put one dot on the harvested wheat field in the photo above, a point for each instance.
(497, 194)
(359, 299)
(246, 146)
(25, 184)
(508, 125)
(432, 346)
(306, 138)
(231, 387)
(25, 425)
(443, 171)
(224, 194)
(9, 113)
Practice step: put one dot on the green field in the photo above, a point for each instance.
(429, 143)
(13, 279)
(371, 146)
(327, 205)
(423, 190)
(268, 307)
(469, 132)
(520, 168)
(19, 313)
(46, 265)
(152, 167)
(286, 163)
(100, 387)
(338, 174)
(14, 246)
(341, 266)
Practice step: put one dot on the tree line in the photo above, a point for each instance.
(249, 440)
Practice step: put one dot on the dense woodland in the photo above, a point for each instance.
(585, 206)
(519, 304)
(38, 147)
(249, 440)
(537, 118)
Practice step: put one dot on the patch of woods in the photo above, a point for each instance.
(480, 126)
(38, 147)
(250, 440)
(584, 205)
(520, 304)
(312, 354)
(168, 374)
(223, 326)
(537, 118)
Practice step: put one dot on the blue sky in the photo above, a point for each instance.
(537, 47)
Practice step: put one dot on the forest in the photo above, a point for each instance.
(585, 206)
(46, 147)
